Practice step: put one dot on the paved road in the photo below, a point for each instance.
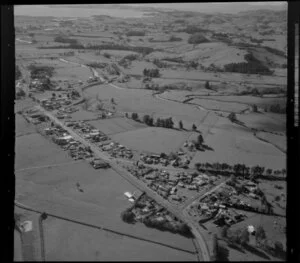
(203, 253)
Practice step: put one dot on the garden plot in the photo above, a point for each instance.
(116, 125)
(239, 146)
(155, 140)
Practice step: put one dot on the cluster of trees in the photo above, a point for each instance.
(194, 29)
(192, 64)
(252, 66)
(66, 40)
(275, 108)
(128, 216)
(152, 73)
(148, 120)
(135, 33)
(159, 63)
(40, 71)
(232, 117)
(143, 50)
(165, 123)
(197, 38)
(239, 169)
(178, 228)
(18, 73)
(107, 55)
(275, 51)
(174, 39)
(20, 93)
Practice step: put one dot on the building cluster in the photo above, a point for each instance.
(35, 117)
(87, 131)
(146, 208)
(117, 150)
(176, 160)
(218, 205)
(55, 103)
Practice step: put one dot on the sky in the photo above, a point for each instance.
(227, 7)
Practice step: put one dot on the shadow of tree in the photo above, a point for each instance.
(236, 247)
(223, 254)
(255, 251)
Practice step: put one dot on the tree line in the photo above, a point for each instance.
(252, 66)
(152, 73)
(160, 122)
(138, 49)
(239, 169)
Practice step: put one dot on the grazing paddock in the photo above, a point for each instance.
(262, 121)
(73, 72)
(116, 125)
(101, 201)
(42, 152)
(279, 141)
(22, 126)
(142, 102)
(83, 115)
(237, 145)
(207, 103)
(156, 140)
(70, 241)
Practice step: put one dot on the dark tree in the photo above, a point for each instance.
(194, 127)
(215, 248)
(244, 237)
(232, 117)
(224, 231)
(260, 234)
(207, 86)
(180, 125)
(128, 216)
(200, 139)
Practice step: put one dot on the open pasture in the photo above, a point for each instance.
(69, 241)
(54, 190)
(237, 145)
(263, 121)
(207, 103)
(116, 125)
(152, 139)
(142, 102)
(42, 152)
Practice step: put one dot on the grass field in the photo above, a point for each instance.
(237, 145)
(116, 125)
(264, 121)
(142, 102)
(152, 139)
(69, 241)
(219, 105)
(42, 152)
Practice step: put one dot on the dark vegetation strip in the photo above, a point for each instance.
(103, 228)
